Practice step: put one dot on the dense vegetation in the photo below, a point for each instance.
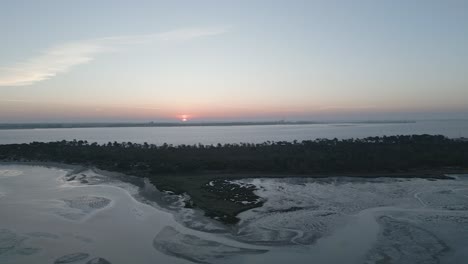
(189, 168)
(373, 154)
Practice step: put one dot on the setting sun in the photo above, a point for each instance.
(229, 132)
(183, 118)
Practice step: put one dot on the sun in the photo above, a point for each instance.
(184, 118)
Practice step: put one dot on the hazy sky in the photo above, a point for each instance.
(232, 60)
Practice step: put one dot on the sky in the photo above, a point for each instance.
(107, 61)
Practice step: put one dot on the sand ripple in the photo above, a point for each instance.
(10, 173)
(71, 258)
(196, 249)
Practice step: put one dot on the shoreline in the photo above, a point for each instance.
(75, 168)
(418, 174)
(25, 126)
(226, 206)
(222, 199)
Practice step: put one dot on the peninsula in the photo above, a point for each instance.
(205, 172)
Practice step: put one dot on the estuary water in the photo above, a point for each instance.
(235, 134)
(62, 214)
(76, 215)
(47, 219)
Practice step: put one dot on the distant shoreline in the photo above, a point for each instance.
(9, 126)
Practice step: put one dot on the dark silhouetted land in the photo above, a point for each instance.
(182, 124)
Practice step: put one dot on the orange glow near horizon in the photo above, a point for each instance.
(183, 118)
(186, 112)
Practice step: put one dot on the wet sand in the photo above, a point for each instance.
(80, 215)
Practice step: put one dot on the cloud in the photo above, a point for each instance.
(52, 62)
(62, 58)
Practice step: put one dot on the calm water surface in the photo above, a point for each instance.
(234, 134)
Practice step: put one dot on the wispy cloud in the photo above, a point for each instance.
(52, 62)
(62, 58)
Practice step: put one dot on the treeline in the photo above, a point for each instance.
(372, 154)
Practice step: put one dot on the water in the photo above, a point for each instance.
(57, 215)
(349, 220)
(45, 218)
(234, 134)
